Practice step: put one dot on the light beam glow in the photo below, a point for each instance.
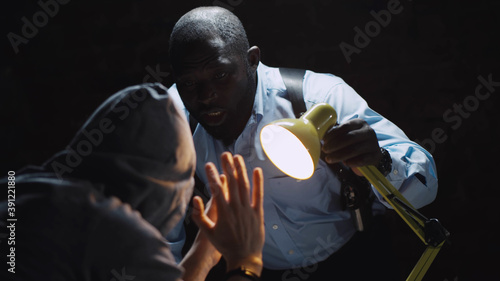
(287, 152)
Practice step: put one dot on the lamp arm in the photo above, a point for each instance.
(430, 231)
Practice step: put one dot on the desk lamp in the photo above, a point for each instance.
(294, 146)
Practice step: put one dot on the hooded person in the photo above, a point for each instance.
(98, 209)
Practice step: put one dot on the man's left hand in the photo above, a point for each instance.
(354, 143)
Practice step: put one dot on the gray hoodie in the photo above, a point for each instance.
(99, 209)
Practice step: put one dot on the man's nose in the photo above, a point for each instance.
(206, 93)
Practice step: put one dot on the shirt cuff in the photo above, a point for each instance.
(413, 174)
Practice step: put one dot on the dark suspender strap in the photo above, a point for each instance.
(293, 78)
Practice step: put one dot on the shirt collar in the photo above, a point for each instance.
(261, 91)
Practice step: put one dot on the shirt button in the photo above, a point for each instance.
(395, 172)
(275, 226)
(290, 252)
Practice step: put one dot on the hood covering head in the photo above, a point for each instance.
(138, 147)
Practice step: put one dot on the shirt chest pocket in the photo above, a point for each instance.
(314, 195)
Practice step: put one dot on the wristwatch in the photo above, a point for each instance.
(385, 164)
(242, 271)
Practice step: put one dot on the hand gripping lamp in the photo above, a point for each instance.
(294, 146)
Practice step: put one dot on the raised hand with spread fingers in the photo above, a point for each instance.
(237, 228)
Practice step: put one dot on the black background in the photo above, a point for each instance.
(425, 62)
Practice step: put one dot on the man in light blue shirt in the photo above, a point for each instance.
(221, 82)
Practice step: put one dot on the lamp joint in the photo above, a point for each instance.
(435, 233)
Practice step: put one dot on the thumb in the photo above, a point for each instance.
(357, 171)
(203, 222)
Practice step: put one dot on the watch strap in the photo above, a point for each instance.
(242, 271)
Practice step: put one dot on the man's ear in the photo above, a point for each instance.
(253, 57)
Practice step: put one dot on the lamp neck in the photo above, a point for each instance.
(322, 116)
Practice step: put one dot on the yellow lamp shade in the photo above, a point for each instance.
(293, 145)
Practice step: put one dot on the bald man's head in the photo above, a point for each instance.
(205, 23)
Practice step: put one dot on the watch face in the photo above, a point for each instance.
(385, 165)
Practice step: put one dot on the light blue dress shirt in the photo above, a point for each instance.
(304, 222)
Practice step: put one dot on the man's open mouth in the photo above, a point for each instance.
(214, 117)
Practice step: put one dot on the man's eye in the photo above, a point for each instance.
(220, 75)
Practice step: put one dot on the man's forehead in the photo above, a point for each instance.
(207, 54)
(201, 45)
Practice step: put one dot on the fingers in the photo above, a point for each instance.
(243, 183)
(365, 156)
(211, 209)
(357, 171)
(224, 191)
(354, 143)
(232, 181)
(342, 136)
(258, 191)
(216, 183)
(359, 154)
